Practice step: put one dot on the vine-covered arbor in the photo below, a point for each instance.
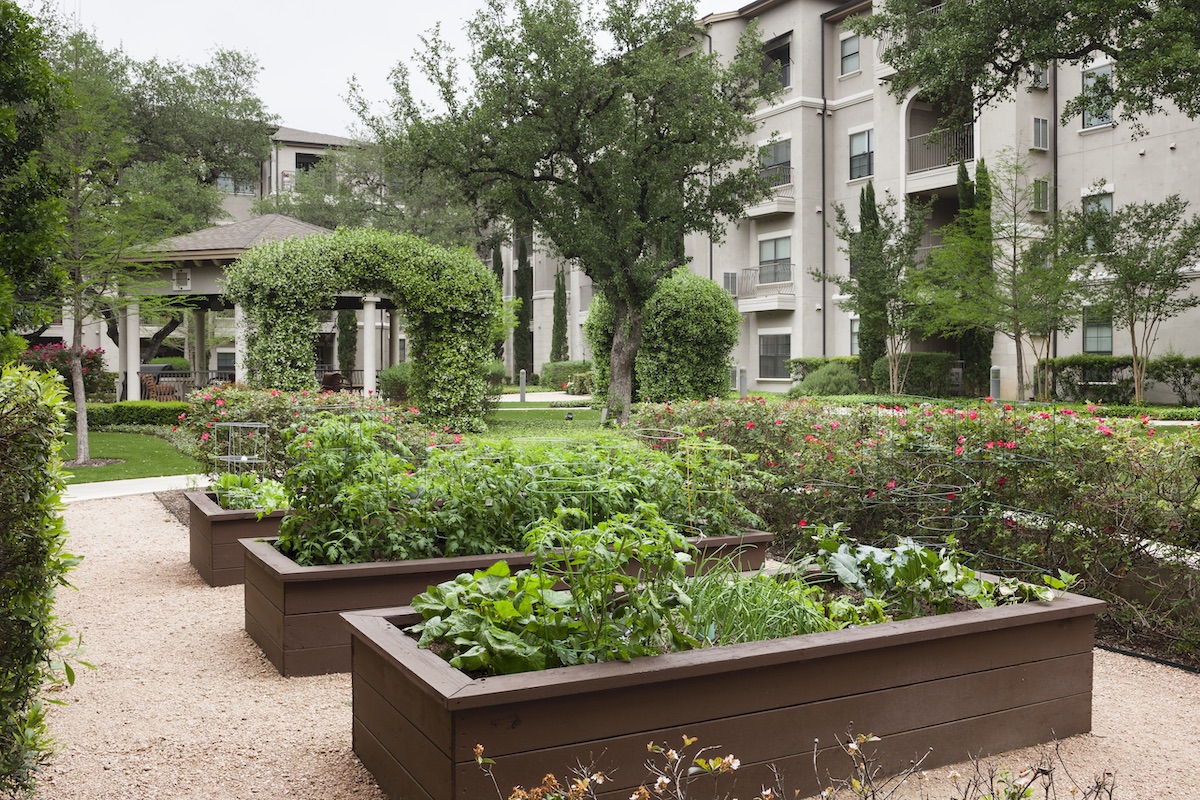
(450, 300)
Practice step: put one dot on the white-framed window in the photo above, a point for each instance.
(1094, 116)
(862, 154)
(777, 59)
(776, 159)
(774, 351)
(729, 281)
(775, 260)
(850, 47)
(1097, 332)
(854, 336)
(1041, 133)
(1041, 194)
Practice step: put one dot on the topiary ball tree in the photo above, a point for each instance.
(450, 300)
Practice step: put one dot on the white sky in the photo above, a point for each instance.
(308, 51)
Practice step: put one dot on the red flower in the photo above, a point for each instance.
(749, 425)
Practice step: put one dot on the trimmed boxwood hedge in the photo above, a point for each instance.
(130, 412)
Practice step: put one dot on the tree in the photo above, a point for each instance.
(30, 220)
(1034, 287)
(1143, 255)
(558, 332)
(967, 54)
(883, 252)
(523, 287)
(975, 342)
(615, 151)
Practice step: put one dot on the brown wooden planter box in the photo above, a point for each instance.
(214, 533)
(292, 611)
(970, 683)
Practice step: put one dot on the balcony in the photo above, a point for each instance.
(783, 193)
(927, 153)
(767, 287)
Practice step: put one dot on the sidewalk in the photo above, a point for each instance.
(546, 397)
(95, 491)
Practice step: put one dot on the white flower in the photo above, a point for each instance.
(661, 783)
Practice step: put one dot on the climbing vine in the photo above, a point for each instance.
(450, 300)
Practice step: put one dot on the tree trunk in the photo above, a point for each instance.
(82, 451)
(627, 337)
(1139, 372)
(160, 336)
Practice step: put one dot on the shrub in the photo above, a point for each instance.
(127, 412)
(581, 383)
(11, 347)
(833, 378)
(33, 564)
(598, 328)
(174, 363)
(557, 373)
(1178, 373)
(925, 374)
(802, 367)
(691, 325)
(394, 382)
(1096, 378)
(57, 358)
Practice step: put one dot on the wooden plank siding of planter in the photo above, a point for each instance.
(292, 612)
(214, 532)
(971, 683)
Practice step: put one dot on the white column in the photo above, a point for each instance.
(370, 334)
(199, 335)
(131, 343)
(239, 343)
(394, 318)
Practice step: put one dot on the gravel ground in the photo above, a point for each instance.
(183, 704)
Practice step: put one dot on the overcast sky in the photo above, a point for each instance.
(308, 50)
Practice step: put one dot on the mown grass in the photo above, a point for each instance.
(140, 455)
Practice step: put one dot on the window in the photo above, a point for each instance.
(1097, 332)
(1039, 76)
(775, 260)
(227, 184)
(306, 161)
(777, 60)
(850, 48)
(777, 162)
(730, 281)
(1099, 110)
(854, 337)
(1097, 210)
(774, 350)
(1041, 194)
(1041, 133)
(862, 154)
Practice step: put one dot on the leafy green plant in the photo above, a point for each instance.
(833, 378)
(246, 490)
(395, 381)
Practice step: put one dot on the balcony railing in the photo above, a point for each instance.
(766, 280)
(926, 152)
(778, 174)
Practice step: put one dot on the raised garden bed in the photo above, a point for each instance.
(214, 532)
(969, 683)
(292, 612)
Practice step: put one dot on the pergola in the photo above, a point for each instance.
(194, 267)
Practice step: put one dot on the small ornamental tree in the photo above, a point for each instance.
(558, 333)
(523, 333)
(450, 300)
(347, 339)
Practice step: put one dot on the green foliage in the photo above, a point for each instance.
(347, 339)
(246, 490)
(691, 325)
(174, 363)
(57, 358)
(925, 374)
(882, 249)
(34, 565)
(1178, 373)
(973, 54)
(581, 383)
(29, 205)
(1147, 269)
(11, 347)
(598, 328)
(523, 333)
(556, 374)
(615, 147)
(136, 412)
(558, 333)
(1090, 377)
(394, 382)
(450, 298)
(801, 368)
(833, 378)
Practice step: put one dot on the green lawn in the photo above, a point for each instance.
(142, 456)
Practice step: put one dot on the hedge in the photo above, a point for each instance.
(556, 374)
(1093, 378)
(927, 375)
(801, 368)
(130, 412)
(33, 566)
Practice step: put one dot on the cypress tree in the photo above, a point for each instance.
(558, 334)
(523, 335)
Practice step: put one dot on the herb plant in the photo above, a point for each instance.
(247, 490)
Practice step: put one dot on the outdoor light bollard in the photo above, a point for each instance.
(995, 387)
(522, 386)
(743, 383)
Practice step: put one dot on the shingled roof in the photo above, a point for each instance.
(297, 136)
(230, 241)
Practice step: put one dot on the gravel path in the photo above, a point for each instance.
(183, 705)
